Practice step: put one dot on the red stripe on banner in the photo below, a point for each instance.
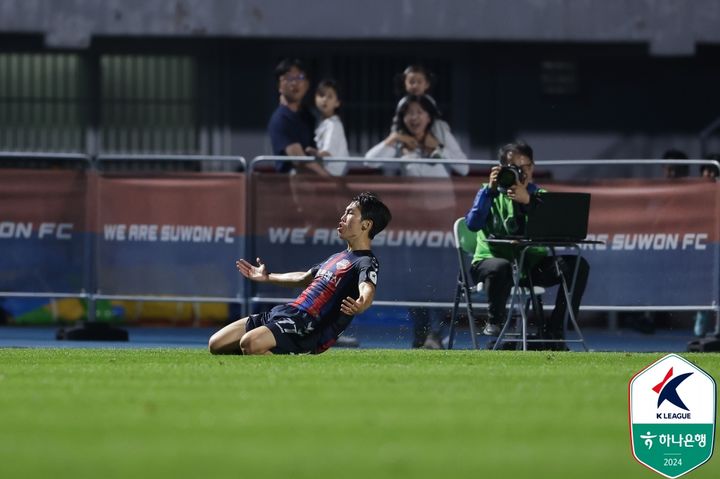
(172, 201)
(43, 196)
(306, 204)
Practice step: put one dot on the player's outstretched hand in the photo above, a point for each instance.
(350, 306)
(254, 273)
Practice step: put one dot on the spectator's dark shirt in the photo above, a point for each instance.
(287, 127)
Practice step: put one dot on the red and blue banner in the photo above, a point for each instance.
(171, 234)
(43, 241)
(662, 242)
(660, 238)
(179, 234)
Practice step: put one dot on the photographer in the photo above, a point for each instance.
(500, 210)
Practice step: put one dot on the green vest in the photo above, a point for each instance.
(500, 223)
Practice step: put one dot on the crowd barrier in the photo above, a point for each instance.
(98, 233)
(43, 225)
(168, 236)
(661, 238)
(122, 233)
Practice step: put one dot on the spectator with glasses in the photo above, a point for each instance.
(292, 126)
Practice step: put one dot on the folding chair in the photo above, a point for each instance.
(520, 294)
(465, 243)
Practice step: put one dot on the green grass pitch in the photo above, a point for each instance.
(87, 413)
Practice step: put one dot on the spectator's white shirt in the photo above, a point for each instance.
(450, 150)
(330, 137)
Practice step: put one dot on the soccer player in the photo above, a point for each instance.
(335, 291)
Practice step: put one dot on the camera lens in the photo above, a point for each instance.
(507, 177)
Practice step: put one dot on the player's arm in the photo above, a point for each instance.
(351, 306)
(260, 274)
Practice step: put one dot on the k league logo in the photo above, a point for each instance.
(672, 416)
(668, 392)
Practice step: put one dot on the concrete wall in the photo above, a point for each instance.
(642, 76)
(668, 27)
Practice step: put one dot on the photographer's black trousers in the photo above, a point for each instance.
(496, 274)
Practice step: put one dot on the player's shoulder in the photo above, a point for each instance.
(367, 258)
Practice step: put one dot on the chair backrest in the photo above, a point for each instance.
(465, 240)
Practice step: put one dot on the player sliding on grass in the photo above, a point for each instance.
(335, 291)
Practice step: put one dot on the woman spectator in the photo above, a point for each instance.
(415, 137)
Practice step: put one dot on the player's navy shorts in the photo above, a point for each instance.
(293, 329)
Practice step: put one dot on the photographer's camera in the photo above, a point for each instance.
(509, 175)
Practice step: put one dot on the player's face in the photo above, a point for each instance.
(351, 225)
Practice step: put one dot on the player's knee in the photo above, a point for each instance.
(214, 344)
(251, 344)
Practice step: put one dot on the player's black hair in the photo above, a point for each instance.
(713, 168)
(676, 171)
(674, 154)
(517, 147)
(371, 208)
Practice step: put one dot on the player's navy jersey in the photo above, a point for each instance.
(335, 279)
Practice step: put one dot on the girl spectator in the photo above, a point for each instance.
(329, 134)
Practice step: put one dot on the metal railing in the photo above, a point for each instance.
(157, 160)
(249, 251)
